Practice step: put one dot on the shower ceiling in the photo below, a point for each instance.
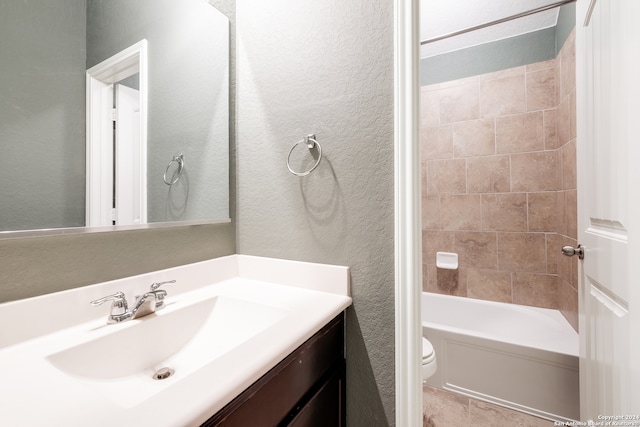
(438, 17)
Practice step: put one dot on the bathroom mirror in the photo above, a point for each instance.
(47, 48)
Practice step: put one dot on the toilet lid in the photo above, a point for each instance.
(427, 348)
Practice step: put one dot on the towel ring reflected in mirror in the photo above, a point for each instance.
(176, 159)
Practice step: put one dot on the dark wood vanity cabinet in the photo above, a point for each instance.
(306, 389)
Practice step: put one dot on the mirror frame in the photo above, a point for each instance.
(7, 235)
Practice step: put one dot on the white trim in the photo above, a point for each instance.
(99, 154)
(408, 236)
(144, 94)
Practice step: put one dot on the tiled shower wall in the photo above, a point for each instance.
(499, 184)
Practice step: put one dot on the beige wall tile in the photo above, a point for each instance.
(559, 172)
(558, 81)
(446, 176)
(444, 409)
(503, 96)
(488, 174)
(436, 241)
(474, 138)
(500, 74)
(553, 250)
(564, 122)
(568, 65)
(453, 83)
(522, 252)
(476, 249)
(550, 129)
(520, 133)
(561, 212)
(542, 212)
(448, 282)
(541, 89)
(423, 178)
(568, 303)
(551, 63)
(534, 171)
(538, 290)
(489, 285)
(436, 142)
(486, 136)
(459, 103)
(460, 212)
(431, 212)
(568, 155)
(566, 265)
(572, 115)
(425, 277)
(572, 214)
(504, 212)
(429, 108)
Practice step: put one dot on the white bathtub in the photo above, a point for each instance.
(521, 357)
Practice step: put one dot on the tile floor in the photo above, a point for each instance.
(446, 409)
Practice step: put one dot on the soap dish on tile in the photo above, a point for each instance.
(447, 260)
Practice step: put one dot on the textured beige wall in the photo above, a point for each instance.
(498, 155)
(324, 67)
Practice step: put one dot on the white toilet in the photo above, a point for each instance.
(429, 365)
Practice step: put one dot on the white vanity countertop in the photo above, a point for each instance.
(303, 296)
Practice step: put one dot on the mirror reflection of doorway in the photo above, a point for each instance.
(127, 155)
(116, 139)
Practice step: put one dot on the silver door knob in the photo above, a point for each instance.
(571, 251)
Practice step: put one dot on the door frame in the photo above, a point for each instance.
(99, 144)
(408, 236)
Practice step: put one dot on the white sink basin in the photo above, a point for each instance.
(226, 323)
(121, 364)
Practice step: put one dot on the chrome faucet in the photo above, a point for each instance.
(145, 304)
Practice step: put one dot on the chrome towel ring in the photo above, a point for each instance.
(311, 142)
(180, 160)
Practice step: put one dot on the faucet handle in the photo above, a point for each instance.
(155, 286)
(160, 293)
(119, 303)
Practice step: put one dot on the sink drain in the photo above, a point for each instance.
(163, 373)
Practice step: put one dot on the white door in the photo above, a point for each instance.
(608, 105)
(128, 191)
(99, 167)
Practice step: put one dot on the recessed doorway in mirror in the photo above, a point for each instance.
(47, 48)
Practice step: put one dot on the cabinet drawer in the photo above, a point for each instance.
(276, 395)
(326, 407)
